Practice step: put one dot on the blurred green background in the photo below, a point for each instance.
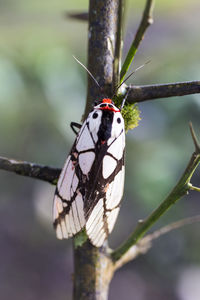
(42, 89)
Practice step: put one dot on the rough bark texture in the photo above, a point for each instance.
(29, 169)
(93, 269)
(103, 25)
(148, 92)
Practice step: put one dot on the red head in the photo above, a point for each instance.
(107, 104)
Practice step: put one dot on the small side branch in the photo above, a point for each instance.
(147, 19)
(146, 243)
(29, 169)
(195, 141)
(182, 188)
(150, 92)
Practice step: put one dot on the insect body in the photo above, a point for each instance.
(90, 187)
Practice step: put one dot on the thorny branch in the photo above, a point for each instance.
(182, 188)
(146, 243)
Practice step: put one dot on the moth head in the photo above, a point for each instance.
(107, 104)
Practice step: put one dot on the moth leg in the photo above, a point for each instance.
(76, 125)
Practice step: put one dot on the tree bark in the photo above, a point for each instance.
(93, 269)
(102, 42)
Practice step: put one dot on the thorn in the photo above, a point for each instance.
(82, 16)
(140, 221)
(196, 143)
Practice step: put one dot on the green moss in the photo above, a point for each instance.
(130, 113)
(80, 239)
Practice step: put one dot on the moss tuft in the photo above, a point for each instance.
(80, 238)
(130, 113)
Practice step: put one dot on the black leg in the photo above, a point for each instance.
(76, 125)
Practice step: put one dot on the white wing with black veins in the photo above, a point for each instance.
(90, 187)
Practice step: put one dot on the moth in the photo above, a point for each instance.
(90, 186)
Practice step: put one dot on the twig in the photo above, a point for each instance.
(147, 19)
(146, 243)
(150, 92)
(194, 188)
(29, 169)
(183, 187)
(195, 141)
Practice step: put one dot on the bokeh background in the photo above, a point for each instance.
(42, 89)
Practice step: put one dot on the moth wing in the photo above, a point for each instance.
(104, 214)
(68, 208)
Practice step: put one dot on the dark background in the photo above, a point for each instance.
(42, 89)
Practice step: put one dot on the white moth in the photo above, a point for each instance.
(90, 187)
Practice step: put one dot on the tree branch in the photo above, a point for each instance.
(136, 94)
(29, 169)
(93, 266)
(150, 92)
(103, 24)
(195, 141)
(146, 243)
(147, 19)
(183, 187)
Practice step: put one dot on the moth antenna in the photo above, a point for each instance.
(137, 69)
(124, 100)
(80, 63)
